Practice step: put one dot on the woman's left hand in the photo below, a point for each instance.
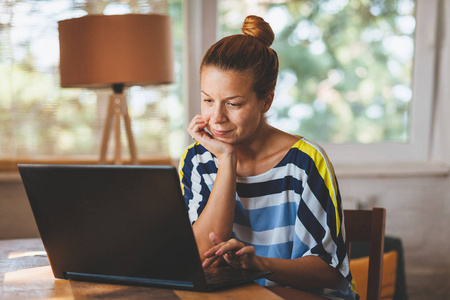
(235, 253)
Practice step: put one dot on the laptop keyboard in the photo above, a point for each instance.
(221, 274)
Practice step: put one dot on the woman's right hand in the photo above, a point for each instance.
(197, 130)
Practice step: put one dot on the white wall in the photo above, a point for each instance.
(417, 211)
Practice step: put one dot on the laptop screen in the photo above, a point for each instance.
(113, 220)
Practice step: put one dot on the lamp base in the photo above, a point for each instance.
(118, 109)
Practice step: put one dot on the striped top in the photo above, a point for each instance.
(290, 211)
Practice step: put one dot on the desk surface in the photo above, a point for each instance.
(25, 273)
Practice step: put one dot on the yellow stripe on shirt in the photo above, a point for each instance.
(325, 169)
(183, 157)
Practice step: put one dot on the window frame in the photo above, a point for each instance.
(201, 17)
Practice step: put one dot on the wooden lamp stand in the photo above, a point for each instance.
(118, 109)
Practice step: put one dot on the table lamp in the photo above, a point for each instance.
(118, 51)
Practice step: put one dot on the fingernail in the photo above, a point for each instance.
(218, 252)
(206, 254)
(238, 252)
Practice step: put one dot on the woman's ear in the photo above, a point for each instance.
(267, 102)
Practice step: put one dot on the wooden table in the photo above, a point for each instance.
(25, 273)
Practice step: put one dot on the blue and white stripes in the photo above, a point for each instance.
(290, 211)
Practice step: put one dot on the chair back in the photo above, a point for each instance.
(368, 226)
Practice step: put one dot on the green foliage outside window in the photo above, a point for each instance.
(345, 66)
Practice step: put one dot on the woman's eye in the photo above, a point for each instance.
(207, 100)
(234, 104)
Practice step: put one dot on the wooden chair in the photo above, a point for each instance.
(368, 226)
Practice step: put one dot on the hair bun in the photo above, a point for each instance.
(256, 27)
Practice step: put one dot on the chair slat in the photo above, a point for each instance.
(368, 226)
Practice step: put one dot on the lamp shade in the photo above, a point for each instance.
(99, 50)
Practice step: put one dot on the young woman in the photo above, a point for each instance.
(258, 197)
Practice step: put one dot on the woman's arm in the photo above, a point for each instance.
(304, 273)
(218, 214)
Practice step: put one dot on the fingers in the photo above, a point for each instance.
(209, 261)
(246, 250)
(230, 246)
(221, 249)
(198, 130)
(235, 253)
(245, 258)
(215, 240)
(210, 255)
(196, 126)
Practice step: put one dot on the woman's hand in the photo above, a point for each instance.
(235, 253)
(307, 272)
(197, 130)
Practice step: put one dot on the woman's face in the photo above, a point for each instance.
(229, 105)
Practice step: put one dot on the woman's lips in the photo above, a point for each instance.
(219, 133)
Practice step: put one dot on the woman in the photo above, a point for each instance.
(258, 197)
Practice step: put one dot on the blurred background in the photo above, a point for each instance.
(366, 79)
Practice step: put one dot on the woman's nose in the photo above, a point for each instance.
(218, 115)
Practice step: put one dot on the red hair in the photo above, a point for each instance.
(250, 53)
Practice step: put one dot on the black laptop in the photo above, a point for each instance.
(120, 224)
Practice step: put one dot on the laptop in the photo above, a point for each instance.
(120, 224)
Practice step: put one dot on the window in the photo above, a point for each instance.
(355, 76)
(346, 66)
(41, 121)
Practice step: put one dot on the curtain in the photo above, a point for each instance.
(440, 137)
